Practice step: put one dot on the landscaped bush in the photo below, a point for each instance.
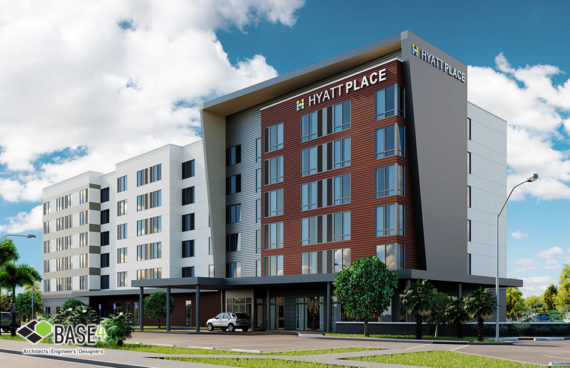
(72, 303)
(119, 327)
(76, 316)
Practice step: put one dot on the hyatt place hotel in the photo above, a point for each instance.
(374, 152)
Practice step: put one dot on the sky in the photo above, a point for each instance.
(84, 85)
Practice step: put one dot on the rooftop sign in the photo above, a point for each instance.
(439, 63)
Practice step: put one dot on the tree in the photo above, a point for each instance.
(563, 297)
(155, 306)
(417, 298)
(515, 302)
(480, 305)
(24, 304)
(72, 303)
(8, 252)
(119, 327)
(4, 302)
(366, 288)
(439, 304)
(457, 315)
(549, 297)
(13, 276)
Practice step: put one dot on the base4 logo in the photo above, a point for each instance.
(35, 331)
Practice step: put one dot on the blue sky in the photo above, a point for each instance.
(80, 86)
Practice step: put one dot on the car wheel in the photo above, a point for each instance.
(245, 329)
(231, 328)
(224, 329)
(210, 327)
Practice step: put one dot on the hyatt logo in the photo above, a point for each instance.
(301, 104)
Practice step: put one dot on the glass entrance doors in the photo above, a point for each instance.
(310, 313)
(277, 313)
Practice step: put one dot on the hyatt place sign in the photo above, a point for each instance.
(439, 64)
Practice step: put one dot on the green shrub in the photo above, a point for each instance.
(80, 315)
(72, 303)
(119, 327)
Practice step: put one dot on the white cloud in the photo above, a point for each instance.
(525, 264)
(536, 285)
(24, 221)
(85, 85)
(535, 109)
(518, 235)
(551, 257)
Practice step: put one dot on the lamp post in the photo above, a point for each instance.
(534, 177)
(13, 322)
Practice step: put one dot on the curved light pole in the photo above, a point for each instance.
(534, 177)
(13, 323)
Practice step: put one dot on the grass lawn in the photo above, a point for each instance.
(443, 359)
(255, 363)
(6, 336)
(193, 351)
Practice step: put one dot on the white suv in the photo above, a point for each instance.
(229, 321)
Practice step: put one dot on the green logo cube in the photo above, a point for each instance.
(43, 329)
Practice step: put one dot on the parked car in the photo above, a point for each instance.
(229, 321)
(566, 317)
(6, 319)
(542, 317)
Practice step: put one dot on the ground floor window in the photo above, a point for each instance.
(239, 305)
(310, 313)
(188, 313)
(277, 313)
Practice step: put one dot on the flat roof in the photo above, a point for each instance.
(258, 93)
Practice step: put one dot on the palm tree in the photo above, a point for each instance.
(8, 252)
(457, 314)
(417, 298)
(480, 305)
(12, 276)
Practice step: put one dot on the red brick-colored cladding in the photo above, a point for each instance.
(210, 305)
(363, 164)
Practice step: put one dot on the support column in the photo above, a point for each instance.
(197, 308)
(222, 304)
(168, 308)
(141, 315)
(328, 319)
(267, 313)
(459, 290)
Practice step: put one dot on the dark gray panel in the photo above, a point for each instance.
(436, 112)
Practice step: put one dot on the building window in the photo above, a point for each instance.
(104, 217)
(233, 214)
(469, 128)
(187, 169)
(149, 251)
(83, 261)
(104, 282)
(341, 189)
(342, 153)
(309, 126)
(82, 218)
(468, 230)
(155, 173)
(341, 116)
(233, 242)
(211, 271)
(46, 227)
(62, 203)
(122, 255)
(83, 196)
(105, 195)
(468, 162)
(274, 137)
(469, 196)
(188, 196)
(122, 279)
(104, 260)
(389, 180)
(149, 226)
(142, 177)
(258, 180)
(273, 170)
(390, 220)
(187, 248)
(258, 267)
(258, 150)
(274, 203)
(390, 141)
(122, 207)
(309, 161)
(233, 269)
(309, 195)
(325, 121)
(149, 175)
(104, 238)
(390, 101)
(233, 184)
(273, 266)
(83, 239)
(257, 241)
(121, 184)
(46, 266)
(46, 246)
(392, 255)
(155, 199)
(233, 155)
(258, 211)
(325, 261)
(46, 207)
(341, 226)
(325, 228)
(210, 248)
(273, 234)
(149, 274)
(188, 271)
(47, 286)
(188, 222)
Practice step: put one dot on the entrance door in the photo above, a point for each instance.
(259, 313)
(277, 313)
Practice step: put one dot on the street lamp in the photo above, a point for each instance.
(13, 322)
(534, 177)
